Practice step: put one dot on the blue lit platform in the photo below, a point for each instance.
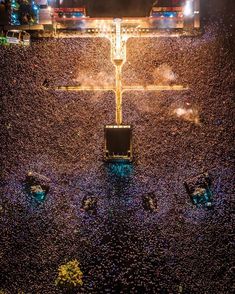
(199, 189)
(37, 186)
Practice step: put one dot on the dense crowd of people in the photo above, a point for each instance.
(122, 248)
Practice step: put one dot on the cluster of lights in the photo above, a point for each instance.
(128, 31)
(105, 30)
(14, 16)
(35, 7)
(13, 4)
(102, 30)
(67, 14)
(134, 30)
(14, 13)
(167, 15)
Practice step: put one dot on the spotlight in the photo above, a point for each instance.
(188, 8)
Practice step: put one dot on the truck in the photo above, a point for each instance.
(17, 37)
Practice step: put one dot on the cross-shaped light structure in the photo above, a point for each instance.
(118, 58)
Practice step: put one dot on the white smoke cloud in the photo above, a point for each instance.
(164, 75)
(188, 114)
(102, 79)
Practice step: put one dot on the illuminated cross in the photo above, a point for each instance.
(118, 58)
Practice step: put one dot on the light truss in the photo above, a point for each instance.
(118, 39)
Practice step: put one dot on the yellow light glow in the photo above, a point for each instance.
(118, 37)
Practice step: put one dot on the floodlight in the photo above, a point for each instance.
(188, 8)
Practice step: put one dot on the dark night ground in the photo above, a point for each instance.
(123, 248)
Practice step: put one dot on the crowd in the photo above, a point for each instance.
(122, 247)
